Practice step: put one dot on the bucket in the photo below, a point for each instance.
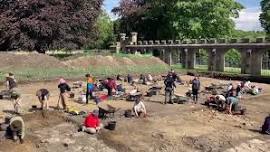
(128, 114)
(111, 125)
(71, 95)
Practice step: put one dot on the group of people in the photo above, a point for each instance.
(229, 101)
(92, 123)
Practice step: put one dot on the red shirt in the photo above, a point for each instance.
(91, 121)
(112, 84)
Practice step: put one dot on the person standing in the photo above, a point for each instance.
(89, 87)
(64, 89)
(43, 97)
(169, 88)
(11, 82)
(196, 84)
(129, 78)
(111, 85)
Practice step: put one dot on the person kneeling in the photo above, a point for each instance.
(233, 106)
(92, 123)
(14, 128)
(139, 108)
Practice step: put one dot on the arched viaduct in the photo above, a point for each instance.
(251, 52)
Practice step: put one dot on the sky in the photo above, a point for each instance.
(248, 20)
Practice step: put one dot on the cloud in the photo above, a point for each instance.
(108, 5)
(249, 20)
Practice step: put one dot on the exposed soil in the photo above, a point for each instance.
(30, 60)
(178, 127)
(95, 61)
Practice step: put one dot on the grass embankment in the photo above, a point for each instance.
(39, 74)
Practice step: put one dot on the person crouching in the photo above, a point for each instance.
(92, 124)
(139, 108)
(43, 97)
(14, 128)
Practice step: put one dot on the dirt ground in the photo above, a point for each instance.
(168, 128)
(99, 61)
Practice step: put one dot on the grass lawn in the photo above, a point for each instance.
(203, 68)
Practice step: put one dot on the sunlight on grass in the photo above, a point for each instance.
(28, 74)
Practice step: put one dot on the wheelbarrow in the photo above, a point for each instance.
(134, 97)
(5, 94)
(107, 111)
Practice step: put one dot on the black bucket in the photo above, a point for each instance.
(111, 125)
(128, 114)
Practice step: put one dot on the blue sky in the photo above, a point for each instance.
(248, 20)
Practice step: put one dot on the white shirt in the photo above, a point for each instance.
(221, 98)
(150, 78)
(229, 87)
(139, 107)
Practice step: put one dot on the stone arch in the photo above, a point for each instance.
(201, 59)
(156, 53)
(233, 63)
(266, 63)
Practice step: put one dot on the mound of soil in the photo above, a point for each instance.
(95, 61)
(29, 60)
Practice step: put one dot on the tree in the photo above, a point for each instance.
(232, 58)
(105, 31)
(47, 24)
(163, 19)
(248, 34)
(265, 15)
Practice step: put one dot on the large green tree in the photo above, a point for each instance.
(104, 32)
(163, 19)
(265, 15)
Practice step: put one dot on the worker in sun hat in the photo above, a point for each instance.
(14, 127)
(11, 82)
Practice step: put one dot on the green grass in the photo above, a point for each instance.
(203, 68)
(30, 74)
